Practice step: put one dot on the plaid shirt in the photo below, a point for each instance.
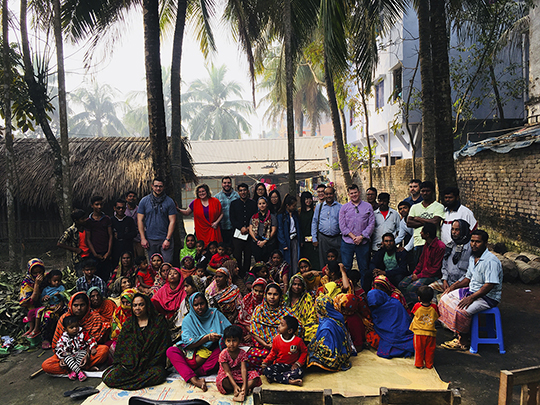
(70, 237)
(83, 285)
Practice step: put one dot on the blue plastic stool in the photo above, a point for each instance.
(493, 328)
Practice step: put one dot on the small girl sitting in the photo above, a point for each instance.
(145, 278)
(233, 368)
(74, 346)
(259, 270)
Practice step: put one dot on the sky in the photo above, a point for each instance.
(123, 65)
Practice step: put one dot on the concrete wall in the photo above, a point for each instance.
(503, 191)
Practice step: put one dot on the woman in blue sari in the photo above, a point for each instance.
(391, 322)
(330, 349)
(196, 354)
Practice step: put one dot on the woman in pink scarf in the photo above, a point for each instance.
(168, 298)
(250, 301)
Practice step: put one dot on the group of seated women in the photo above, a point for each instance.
(183, 317)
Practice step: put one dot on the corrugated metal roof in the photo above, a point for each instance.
(257, 156)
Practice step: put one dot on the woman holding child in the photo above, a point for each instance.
(140, 356)
(207, 215)
(196, 354)
(265, 323)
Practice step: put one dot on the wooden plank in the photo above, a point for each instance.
(506, 386)
(257, 396)
(327, 397)
(384, 395)
(420, 397)
(526, 375)
(288, 397)
(533, 393)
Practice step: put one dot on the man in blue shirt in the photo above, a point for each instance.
(226, 196)
(325, 225)
(156, 219)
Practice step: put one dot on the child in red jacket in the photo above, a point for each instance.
(219, 258)
(288, 355)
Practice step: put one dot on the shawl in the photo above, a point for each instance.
(464, 238)
(122, 313)
(276, 273)
(339, 283)
(185, 251)
(195, 327)
(131, 273)
(138, 349)
(330, 348)
(391, 322)
(203, 227)
(227, 300)
(169, 299)
(107, 307)
(303, 309)
(29, 281)
(266, 220)
(249, 303)
(91, 322)
(265, 319)
(384, 284)
(185, 272)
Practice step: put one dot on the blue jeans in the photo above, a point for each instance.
(362, 259)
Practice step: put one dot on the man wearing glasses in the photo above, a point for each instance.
(325, 225)
(356, 221)
(156, 220)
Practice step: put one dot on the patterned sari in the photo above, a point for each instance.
(227, 300)
(303, 309)
(384, 284)
(140, 356)
(330, 349)
(248, 305)
(122, 313)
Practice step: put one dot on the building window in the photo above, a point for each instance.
(398, 83)
(379, 95)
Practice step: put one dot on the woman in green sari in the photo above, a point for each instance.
(140, 356)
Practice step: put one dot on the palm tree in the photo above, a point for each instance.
(99, 116)
(213, 115)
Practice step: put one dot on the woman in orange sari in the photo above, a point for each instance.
(207, 215)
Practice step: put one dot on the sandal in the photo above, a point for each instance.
(33, 335)
(81, 392)
(454, 345)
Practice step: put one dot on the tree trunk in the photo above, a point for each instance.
(10, 153)
(343, 125)
(36, 95)
(300, 123)
(428, 113)
(287, 20)
(444, 151)
(154, 93)
(500, 107)
(368, 142)
(67, 195)
(338, 135)
(176, 118)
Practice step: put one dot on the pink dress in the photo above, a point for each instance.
(236, 369)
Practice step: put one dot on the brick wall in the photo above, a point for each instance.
(503, 191)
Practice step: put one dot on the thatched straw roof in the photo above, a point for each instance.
(107, 166)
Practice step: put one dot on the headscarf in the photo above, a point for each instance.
(464, 238)
(303, 309)
(265, 319)
(122, 313)
(185, 272)
(249, 303)
(384, 284)
(150, 268)
(130, 273)
(139, 350)
(227, 300)
(330, 348)
(29, 281)
(91, 322)
(168, 298)
(158, 281)
(313, 280)
(107, 307)
(187, 251)
(195, 327)
(391, 322)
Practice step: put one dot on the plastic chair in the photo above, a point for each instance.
(493, 328)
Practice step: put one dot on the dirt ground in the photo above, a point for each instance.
(477, 375)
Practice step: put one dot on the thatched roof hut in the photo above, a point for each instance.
(107, 166)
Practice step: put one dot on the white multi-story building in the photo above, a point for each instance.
(398, 55)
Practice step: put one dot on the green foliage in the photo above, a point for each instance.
(358, 158)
